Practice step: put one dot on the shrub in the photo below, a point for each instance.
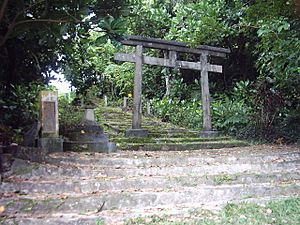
(230, 115)
(69, 114)
(19, 107)
(179, 112)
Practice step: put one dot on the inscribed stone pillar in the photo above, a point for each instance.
(49, 140)
(49, 113)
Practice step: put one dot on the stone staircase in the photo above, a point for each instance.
(83, 188)
(99, 188)
(162, 136)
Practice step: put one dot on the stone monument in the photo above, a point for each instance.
(49, 137)
(88, 136)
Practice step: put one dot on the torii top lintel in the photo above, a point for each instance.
(173, 46)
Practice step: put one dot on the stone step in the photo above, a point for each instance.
(58, 218)
(167, 140)
(182, 214)
(150, 127)
(35, 205)
(117, 132)
(101, 184)
(194, 158)
(82, 170)
(172, 134)
(156, 131)
(182, 146)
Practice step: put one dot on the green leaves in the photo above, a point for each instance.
(197, 23)
(112, 29)
(273, 27)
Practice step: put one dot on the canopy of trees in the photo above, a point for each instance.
(33, 37)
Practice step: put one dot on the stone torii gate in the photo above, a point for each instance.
(173, 48)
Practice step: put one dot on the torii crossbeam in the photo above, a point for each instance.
(173, 48)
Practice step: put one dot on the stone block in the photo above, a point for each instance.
(209, 134)
(136, 133)
(6, 161)
(89, 146)
(51, 144)
(30, 153)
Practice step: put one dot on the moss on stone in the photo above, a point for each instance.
(28, 205)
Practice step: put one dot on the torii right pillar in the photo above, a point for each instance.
(207, 126)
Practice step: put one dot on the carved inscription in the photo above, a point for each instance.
(49, 117)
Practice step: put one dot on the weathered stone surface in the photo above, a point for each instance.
(136, 133)
(209, 134)
(85, 138)
(89, 117)
(49, 113)
(51, 144)
(88, 136)
(6, 161)
(74, 188)
(30, 153)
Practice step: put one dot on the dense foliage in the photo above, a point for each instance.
(34, 35)
(257, 95)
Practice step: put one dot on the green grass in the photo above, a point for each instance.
(281, 212)
(28, 206)
(224, 179)
(100, 221)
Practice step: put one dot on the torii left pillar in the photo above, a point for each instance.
(136, 129)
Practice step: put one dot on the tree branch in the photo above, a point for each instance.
(40, 21)
(13, 25)
(3, 8)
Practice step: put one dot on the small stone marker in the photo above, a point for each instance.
(105, 101)
(148, 108)
(49, 122)
(125, 99)
(89, 116)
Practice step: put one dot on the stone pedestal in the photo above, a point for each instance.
(136, 133)
(88, 136)
(89, 146)
(51, 144)
(209, 134)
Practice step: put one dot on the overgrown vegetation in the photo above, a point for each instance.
(256, 97)
(274, 212)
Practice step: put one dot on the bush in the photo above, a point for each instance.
(233, 112)
(19, 107)
(179, 112)
(230, 115)
(69, 114)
